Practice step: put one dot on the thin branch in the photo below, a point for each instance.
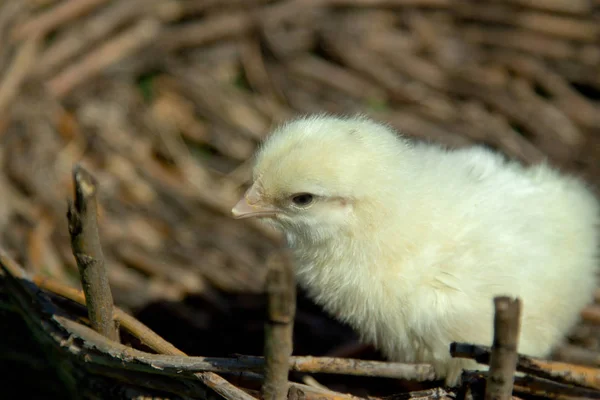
(298, 391)
(17, 72)
(552, 370)
(115, 354)
(242, 364)
(331, 365)
(85, 243)
(85, 34)
(281, 288)
(503, 359)
(350, 366)
(56, 16)
(146, 335)
(168, 364)
(543, 388)
(223, 387)
(128, 42)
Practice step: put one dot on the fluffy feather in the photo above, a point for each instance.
(409, 242)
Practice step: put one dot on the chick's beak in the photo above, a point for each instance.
(249, 206)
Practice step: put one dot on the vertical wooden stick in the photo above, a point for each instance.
(503, 359)
(85, 243)
(281, 289)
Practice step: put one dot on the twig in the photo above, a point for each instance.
(591, 314)
(328, 74)
(390, 3)
(54, 17)
(146, 335)
(207, 30)
(570, 6)
(419, 372)
(85, 242)
(578, 355)
(123, 45)
(172, 365)
(33, 301)
(10, 12)
(312, 382)
(88, 32)
(298, 391)
(256, 70)
(503, 359)
(553, 370)
(349, 366)
(281, 289)
(560, 26)
(17, 72)
(223, 387)
(193, 364)
(573, 103)
(549, 389)
(427, 394)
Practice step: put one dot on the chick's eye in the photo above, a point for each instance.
(302, 199)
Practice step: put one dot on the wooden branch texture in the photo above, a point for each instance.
(85, 241)
(281, 291)
(503, 360)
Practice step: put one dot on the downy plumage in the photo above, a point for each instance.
(409, 242)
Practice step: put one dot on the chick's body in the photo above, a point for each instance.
(409, 243)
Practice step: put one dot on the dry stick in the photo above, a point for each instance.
(179, 364)
(281, 289)
(110, 364)
(95, 28)
(543, 388)
(146, 335)
(54, 17)
(173, 364)
(350, 366)
(138, 329)
(573, 103)
(534, 386)
(229, 25)
(298, 391)
(128, 42)
(85, 242)
(391, 3)
(338, 78)
(553, 370)
(568, 6)
(503, 360)
(575, 354)
(52, 329)
(17, 72)
(10, 11)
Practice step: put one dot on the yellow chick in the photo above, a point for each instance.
(409, 242)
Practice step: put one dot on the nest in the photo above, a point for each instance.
(164, 101)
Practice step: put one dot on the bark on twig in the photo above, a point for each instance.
(550, 370)
(56, 16)
(503, 359)
(114, 362)
(125, 321)
(85, 243)
(281, 289)
(128, 42)
(17, 72)
(328, 365)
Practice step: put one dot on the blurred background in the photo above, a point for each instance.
(165, 101)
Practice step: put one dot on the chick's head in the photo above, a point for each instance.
(314, 177)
